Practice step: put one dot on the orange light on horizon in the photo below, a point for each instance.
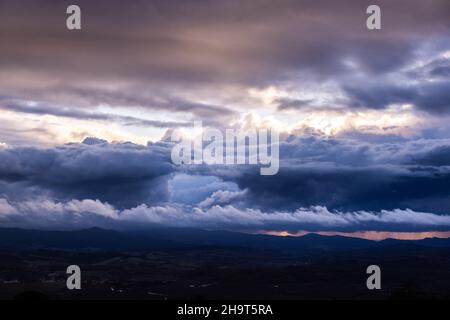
(369, 235)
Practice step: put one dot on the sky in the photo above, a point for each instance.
(363, 115)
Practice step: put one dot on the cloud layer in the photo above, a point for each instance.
(363, 115)
(89, 213)
(336, 183)
(196, 60)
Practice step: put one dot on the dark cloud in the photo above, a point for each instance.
(426, 87)
(346, 174)
(342, 175)
(122, 174)
(435, 97)
(177, 57)
(293, 104)
(345, 188)
(432, 97)
(88, 213)
(45, 109)
(380, 96)
(153, 49)
(436, 157)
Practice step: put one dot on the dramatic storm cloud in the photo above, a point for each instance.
(362, 114)
(384, 186)
(119, 173)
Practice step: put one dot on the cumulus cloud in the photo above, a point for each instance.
(44, 213)
(121, 173)
(224, 197)
(182, 56)
(348, 177)
(347, 174)
(339, 173)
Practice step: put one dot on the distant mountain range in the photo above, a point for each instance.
(177, 238)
